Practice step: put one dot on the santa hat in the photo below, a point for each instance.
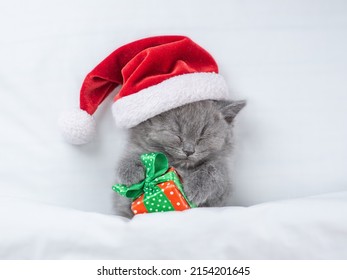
(157, 74)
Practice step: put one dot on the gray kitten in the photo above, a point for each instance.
(197, 139)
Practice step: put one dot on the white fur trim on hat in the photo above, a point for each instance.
(177, 91)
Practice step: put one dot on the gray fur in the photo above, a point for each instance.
(197, 139)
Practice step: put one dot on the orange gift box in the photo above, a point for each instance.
(169, 199)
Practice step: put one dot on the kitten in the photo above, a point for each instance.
(197, 139)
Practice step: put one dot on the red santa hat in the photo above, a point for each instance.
(157, 74)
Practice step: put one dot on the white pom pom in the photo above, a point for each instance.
(77, 127)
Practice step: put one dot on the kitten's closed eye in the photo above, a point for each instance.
(165, 136)
(203, 130)
(199, 140)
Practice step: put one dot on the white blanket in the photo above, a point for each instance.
(306, 228)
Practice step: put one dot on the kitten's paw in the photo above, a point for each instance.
(195, 190)
(130, 172)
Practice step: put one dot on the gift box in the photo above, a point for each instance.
(160, 191)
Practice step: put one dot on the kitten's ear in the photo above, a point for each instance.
(230, 109)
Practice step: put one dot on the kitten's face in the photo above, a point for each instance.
(188, 135)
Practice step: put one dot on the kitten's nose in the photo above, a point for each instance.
(188, 149)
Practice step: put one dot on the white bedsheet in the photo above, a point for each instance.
(306, 228)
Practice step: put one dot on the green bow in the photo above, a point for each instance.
(156, 167)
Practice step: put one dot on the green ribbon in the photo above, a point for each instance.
(156, 167)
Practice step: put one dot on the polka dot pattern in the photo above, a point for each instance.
(174, 195)
(160, 190)
(172, 200)
(150, 202)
